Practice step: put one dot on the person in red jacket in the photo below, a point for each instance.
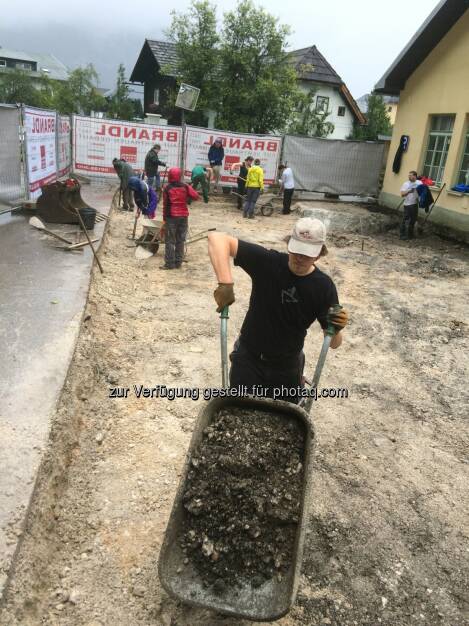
(176, 196)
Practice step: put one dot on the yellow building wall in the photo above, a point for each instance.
(440, 85)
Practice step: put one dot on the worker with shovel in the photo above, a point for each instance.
(152, 162)
(125, 171)
(243, 167)
(289, 292)
(411, 206)
(176, 196)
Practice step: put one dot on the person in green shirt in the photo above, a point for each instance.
(201, 176)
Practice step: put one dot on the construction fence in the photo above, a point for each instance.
(39, 146)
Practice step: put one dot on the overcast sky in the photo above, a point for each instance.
(359, 38)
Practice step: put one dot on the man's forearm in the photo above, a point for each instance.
(220, 253)
(336, 340)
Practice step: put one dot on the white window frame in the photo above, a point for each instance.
(3, 62)
(443, 142)
(343, 108)
(465, 153)
(324, 101)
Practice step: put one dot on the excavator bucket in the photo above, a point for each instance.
(59, 202)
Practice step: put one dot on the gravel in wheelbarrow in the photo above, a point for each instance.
(235, 535)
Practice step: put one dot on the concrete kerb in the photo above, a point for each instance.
(34, 376)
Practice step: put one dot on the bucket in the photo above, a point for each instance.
(88, 215)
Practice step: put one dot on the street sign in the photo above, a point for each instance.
(187, 97)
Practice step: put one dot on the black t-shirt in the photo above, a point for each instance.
(282, 306)
(243, 174)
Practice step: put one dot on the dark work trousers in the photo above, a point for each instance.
(175, 238)
(408, 221)
(241, 192)
(252, 193)
(248, 369)
(201, 180)
(287, 198)
(127, 199)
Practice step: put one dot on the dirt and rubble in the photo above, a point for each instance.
(242, 498)
(387, 540)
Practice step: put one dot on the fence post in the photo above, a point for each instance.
(24, 152)
(183, 142)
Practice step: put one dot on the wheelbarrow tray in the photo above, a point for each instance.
(272, 599)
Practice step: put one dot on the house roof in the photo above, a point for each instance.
(431, 32)
(155, 55)
(56, 69)
(311, 65)
(363, 101)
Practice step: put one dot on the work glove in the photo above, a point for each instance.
(224, 295)
(338, 318)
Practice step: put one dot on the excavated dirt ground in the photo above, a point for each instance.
(387, 542)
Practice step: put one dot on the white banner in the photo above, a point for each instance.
(96, 142)
(64, 139)
(237, 147)
(40, 148)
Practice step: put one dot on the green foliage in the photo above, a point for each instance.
(79, 94)
(306, 120)
(120, 106)
(16, 86)
(378, 122)
(196, 38)
(258, 87)
(242, 72)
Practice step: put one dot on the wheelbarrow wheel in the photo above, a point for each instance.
(146, 242)
(267, 209)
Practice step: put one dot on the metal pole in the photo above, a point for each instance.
(24, 149)
(183, 142)
(224, 347)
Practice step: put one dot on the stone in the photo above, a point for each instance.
(74, 596)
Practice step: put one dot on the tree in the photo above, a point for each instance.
(17, 86)
(120, 105)
(307, 120)
(79, 94)
(196, 38)
(258, 86)
(378, 122)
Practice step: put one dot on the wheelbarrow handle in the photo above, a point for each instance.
(224, 316)
(330, 332)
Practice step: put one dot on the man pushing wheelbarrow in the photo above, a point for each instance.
(235, 537)
(289, 292)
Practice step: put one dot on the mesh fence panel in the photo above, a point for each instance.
(11, 187)
(334, 166)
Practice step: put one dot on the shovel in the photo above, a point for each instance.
(421, 228)
(35, 222)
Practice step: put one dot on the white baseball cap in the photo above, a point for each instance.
(308, 237)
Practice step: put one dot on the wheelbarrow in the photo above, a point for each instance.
(274, 598)
(264, 205)
(153, 234)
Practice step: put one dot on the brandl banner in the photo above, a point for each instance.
(237, 147)
(41, 157)
(96, 142)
